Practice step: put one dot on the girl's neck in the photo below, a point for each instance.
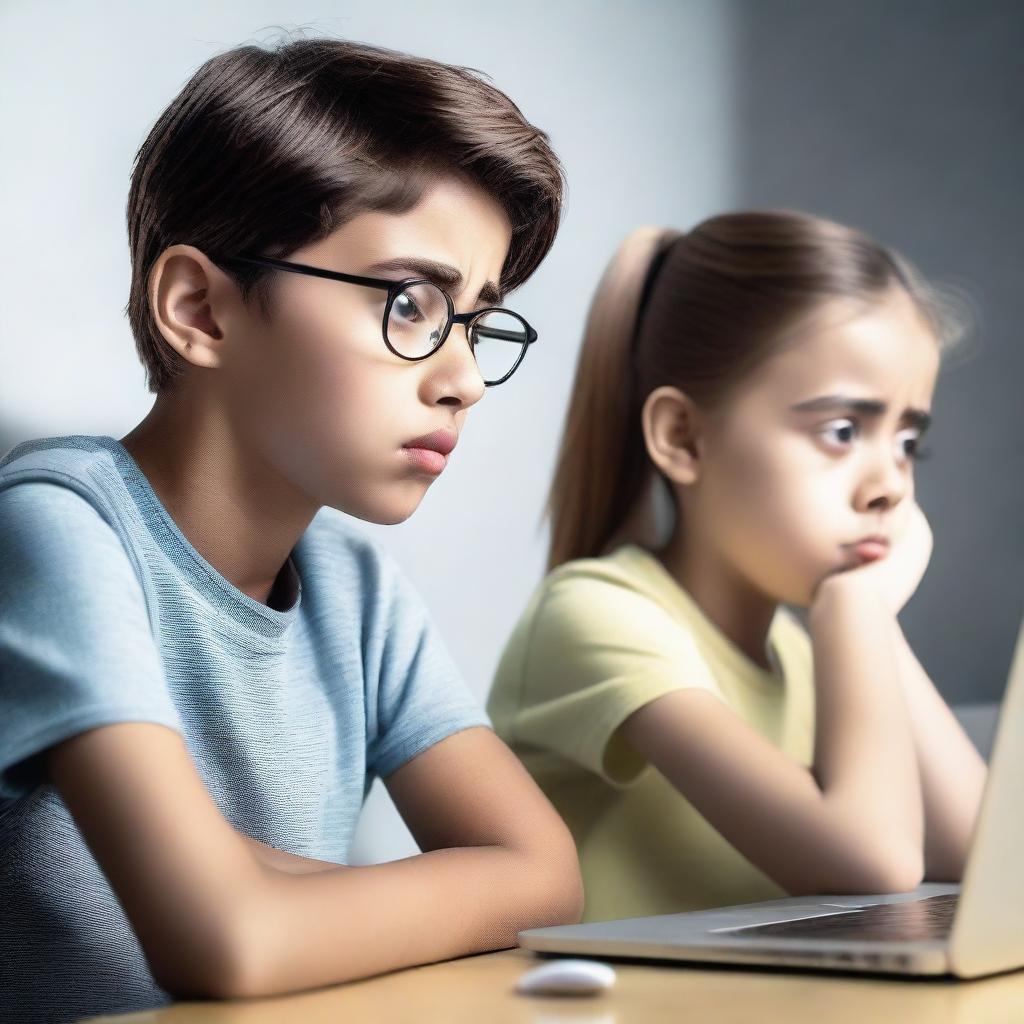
(742, 613)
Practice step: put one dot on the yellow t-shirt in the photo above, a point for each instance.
(600, 638)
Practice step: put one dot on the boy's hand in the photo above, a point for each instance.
(897, 574)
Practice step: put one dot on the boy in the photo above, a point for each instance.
(202, 667)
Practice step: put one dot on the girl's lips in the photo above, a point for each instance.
(427, 460)
(871, 550)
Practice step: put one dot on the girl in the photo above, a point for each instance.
(773, 372)
(203, 666)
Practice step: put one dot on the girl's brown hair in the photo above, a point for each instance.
(700, 311)
(264, 151)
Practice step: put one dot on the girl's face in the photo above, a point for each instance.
(318, 393)
(816, 451)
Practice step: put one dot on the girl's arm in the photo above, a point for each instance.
(853, 823)
(216, 920)
(952, 771)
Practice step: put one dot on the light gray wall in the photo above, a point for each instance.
(906, 119)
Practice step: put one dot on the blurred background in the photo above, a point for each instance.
(904, 118)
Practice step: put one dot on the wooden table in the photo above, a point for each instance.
(479, 990)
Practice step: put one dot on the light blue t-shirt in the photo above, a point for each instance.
(109, 614)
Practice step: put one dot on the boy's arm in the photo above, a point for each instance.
(500, 857)
(952, 771)
(214, 919)
(292, 863)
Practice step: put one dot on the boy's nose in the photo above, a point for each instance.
(454, 378)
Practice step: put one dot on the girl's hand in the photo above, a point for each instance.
(898, 573)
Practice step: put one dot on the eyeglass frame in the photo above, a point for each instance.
(394, 289)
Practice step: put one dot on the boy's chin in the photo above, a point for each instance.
(392, 519)
(383, 510)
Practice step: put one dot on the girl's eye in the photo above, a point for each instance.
(839, 433)
(908, 445)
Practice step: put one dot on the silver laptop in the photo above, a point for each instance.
(968, 930)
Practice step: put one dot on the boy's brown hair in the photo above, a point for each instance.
(264, 151)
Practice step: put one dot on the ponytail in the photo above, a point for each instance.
(603, 467)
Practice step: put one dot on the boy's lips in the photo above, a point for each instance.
(441, 441)
(430, 452)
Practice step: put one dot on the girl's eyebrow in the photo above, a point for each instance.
(865, 406)
(441, 274)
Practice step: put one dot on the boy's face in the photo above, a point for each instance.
(316, 390)
(787, 491)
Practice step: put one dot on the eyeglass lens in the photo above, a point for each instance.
(419, 317)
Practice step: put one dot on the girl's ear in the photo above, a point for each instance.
(183, 290)
(671, 425)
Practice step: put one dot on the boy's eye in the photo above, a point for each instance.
(839, 433)
(405, 307)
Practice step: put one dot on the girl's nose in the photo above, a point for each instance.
(885, 484)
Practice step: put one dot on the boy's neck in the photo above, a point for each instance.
(242, 520)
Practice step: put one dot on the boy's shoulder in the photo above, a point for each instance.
(71, 455)
(82, 463)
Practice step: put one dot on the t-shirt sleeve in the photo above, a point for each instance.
(76, 646)
(595, 652)
(421, 697)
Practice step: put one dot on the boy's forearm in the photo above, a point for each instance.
(290, 863)
(330, 926)
(952, 771)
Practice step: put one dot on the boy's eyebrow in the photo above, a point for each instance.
(441, 274)
(865, 406)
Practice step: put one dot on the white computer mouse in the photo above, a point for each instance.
(567, 977)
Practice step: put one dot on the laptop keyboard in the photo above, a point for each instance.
(912, 921)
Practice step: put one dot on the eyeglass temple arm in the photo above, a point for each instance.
(500, 335)
(298, 268)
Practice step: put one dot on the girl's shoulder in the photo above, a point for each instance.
(629, 567)
(626, 595)
(606, 626)
(628, 577)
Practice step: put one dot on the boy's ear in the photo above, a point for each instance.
(184, 289)
(671, 425)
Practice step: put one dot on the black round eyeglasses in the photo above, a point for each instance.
(418, 317)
